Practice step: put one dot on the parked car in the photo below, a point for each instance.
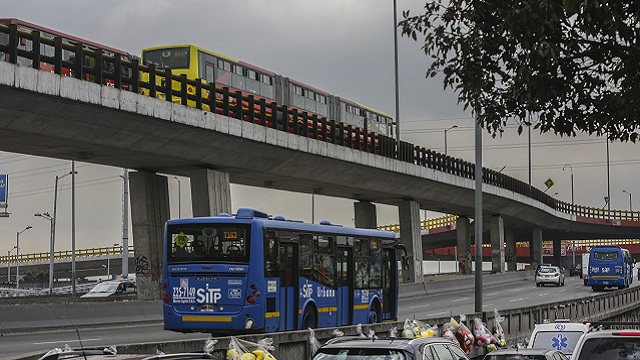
(600, 344)
(390, 349)
(111, 288)
(561, 335)
(525, 354)
(576, 269)
(549, 275)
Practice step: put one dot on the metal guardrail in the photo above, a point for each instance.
(67, 254)
(128, 74)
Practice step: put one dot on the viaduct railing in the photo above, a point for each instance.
(126, 73)
(66, 254)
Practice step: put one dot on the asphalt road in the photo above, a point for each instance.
(512, 295)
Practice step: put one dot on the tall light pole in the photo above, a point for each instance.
(53, 227)
(109, 262)
(125, 223)
(608, 182)
(570, 167)
(445, 138)
(18, 255)
(573, 242)
(179, 193)
(51, 246)
(395, 63)
(628, 192)
(9, 265)
(73, 228)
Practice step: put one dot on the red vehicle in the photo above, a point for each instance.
(25, 43)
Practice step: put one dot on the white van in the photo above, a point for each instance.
(561, 335)
(585, 268)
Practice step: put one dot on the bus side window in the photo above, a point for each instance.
(305, 255)
(361, 257)
(324, 261)
(271, 255)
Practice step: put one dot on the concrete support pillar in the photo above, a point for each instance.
(365, 215)
(410, 237)
(463, 234)
(496, 232)
(149, 195)
(210, 192)
(536, 246)
(557, 252)
(511, 257)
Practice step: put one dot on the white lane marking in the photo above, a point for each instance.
(487, 305)
(439, 313)
(65, 341)
(543, 294)
(518, 299)
(460, 299)
(419, 306)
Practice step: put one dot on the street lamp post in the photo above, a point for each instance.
(51, 246)
(445, 138)
(18, 255)
(628, 192)
(9, 265)
(573, 242)
(108, 262)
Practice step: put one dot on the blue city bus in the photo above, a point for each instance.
(610, 266)
(251, 272)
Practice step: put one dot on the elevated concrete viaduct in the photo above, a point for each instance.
(49, 115)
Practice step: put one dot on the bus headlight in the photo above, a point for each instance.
(248, 324)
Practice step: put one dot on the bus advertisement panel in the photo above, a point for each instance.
(610, 266)
(255, 273)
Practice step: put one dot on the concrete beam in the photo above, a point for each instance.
(410, 237)
(557, 252)
(210, 192)
(365, 215)
(496, 231)
(149, 211)
(463, 233)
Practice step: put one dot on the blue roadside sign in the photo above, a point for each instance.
(4, 184)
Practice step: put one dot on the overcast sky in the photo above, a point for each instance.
(344, 47)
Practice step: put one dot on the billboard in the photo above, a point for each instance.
(4, 186)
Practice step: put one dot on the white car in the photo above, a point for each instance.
(112, 288)
(550, 275)
(599, 344)
(560, 335)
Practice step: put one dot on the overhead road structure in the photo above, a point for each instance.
(220, 142)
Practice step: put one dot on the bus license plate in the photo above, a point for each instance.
(206, 308)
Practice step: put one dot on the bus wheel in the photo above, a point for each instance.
(309, 319)
(374, 314)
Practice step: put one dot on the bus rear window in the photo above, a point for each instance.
(175, 58)
(208, 243)
(605, 255)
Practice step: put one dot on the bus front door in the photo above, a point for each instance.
(288, 286)
(389, 284)
(345, 285)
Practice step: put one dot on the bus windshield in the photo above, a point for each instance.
(599, 255)
(176, 58)
(200, 243)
